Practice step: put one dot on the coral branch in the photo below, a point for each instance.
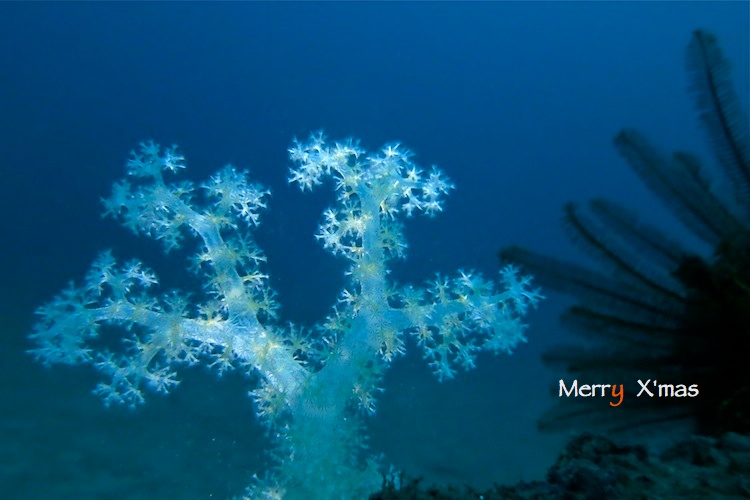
(314, 389)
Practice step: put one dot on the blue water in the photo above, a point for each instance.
(516, 102)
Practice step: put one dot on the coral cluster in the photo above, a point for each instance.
(314, 387)
(593, 466)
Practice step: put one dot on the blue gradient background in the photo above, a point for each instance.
(516, 102)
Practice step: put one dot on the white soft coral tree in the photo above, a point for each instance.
(314, 388)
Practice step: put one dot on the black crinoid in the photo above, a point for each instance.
(653, 309)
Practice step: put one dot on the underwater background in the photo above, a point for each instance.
(517, 102)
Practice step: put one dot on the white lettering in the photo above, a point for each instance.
(644, 388)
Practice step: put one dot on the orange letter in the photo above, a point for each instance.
(615, 394)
